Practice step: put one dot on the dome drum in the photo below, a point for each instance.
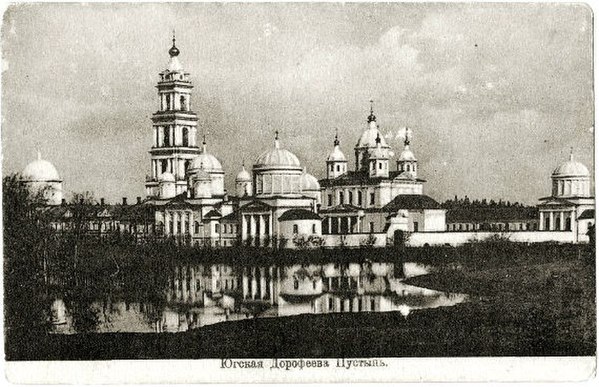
(273, 183)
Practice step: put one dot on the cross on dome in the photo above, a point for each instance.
(371, 117)
(204, 143)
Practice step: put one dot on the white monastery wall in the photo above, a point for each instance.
(460, 238)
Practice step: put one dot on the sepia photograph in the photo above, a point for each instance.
(267, 188)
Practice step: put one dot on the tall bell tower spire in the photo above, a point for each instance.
(174, 126)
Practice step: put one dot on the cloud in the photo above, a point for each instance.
(482, 86)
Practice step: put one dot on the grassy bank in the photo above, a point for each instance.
(464, 330)
(547, 290)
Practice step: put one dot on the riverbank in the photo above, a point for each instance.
(524, 301)
(473, 329)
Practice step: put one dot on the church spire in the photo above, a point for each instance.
(276, 139)
(406, 140)
(336, 142)
(371, 117)
(571, 153)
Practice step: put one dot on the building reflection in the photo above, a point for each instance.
(199, 295)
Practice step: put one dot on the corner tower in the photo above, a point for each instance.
(407, 162)
(336, 162)
(174, 127)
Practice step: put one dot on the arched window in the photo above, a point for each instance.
(164, 165)
(295, 229)
(185, 136)
(167, 136)
(295, 284)
(338, 168)
(183, 103)
(168, 102)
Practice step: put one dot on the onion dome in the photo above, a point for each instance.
(369, 136)
(243, 175)
(309, 182)
(40, 170)
(378, 153)
(336, 153)
(205, 161)
(173, 51)
(277, 157)
(167, 177)
(407, 154)
(571, 168)
(174, 65)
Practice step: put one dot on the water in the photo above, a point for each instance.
(198, 295)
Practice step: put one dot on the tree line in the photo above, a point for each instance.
(466, 202)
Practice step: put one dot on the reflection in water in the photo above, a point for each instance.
(199, 295)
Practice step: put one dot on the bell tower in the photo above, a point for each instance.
(174, 127)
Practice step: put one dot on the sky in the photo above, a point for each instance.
(496, 94)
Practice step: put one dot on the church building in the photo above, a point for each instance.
(571, 207)
(277, 203)
(372, 198)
